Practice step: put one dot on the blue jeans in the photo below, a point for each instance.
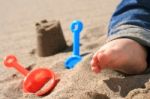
(131, 20)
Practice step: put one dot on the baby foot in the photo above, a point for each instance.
(122, 54)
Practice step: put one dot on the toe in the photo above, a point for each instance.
(95, 64)
(103, 60)
(96, 69)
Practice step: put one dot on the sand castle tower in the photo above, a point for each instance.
(50, 39)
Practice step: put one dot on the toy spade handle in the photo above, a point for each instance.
(11, 61)
(76, 28)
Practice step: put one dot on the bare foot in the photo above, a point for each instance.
(122, 54)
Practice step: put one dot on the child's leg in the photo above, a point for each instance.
(129, 32)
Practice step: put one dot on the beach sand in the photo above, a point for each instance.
(18, 37)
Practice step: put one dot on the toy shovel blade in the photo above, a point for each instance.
(72, 61)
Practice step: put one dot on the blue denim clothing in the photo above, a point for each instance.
(131, 20)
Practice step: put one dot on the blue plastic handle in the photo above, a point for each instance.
(76, 28)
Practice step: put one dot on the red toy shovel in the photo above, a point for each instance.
(35, 80)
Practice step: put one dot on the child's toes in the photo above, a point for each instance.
(103, 60)
(96, 69)
(95, 64)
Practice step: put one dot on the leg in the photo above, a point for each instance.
(129, 31)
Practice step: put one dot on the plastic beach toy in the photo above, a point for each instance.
(35, 80)
(76, 28)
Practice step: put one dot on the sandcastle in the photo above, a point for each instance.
(50, 39)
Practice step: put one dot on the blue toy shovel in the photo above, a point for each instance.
(76, 28)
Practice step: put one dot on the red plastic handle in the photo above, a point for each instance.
(11, 61)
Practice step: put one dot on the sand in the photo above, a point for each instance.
(18, 37)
